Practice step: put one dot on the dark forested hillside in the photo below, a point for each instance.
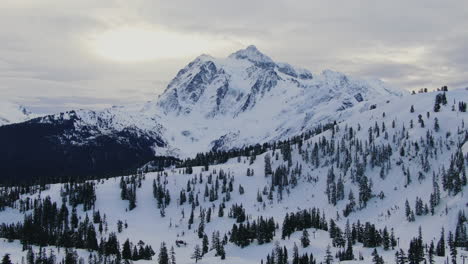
(38, 150)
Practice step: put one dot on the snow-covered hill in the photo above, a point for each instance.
(402, 151)
(13, 113)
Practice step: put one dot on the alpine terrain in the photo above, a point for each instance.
(243, 160)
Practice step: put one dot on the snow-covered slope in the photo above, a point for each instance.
(13, 113)
(401, 155)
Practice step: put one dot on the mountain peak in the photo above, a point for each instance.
(252, 54)
(252, 48)
(204, 57)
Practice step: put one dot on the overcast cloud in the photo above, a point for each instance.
(46, 61)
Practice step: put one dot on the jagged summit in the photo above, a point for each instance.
(203, 57)
(212, 87)
(252, 54)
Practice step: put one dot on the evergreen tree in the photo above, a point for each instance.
(462, 106)
(400, 257)
(420, 120)
(205, 244)
(351, 204)
(173, 256)
(74, 218)
(408, 212)
(416, 251)
(91, 240)
(453, 248)
(30, 257)
(259, 197)
(6, 259)
(436, 125)
(305, 241)
(163, 257)
(221, 210)
(436, 106)
(222, 252)
(440, 249)
(340, 190)
(197, 253)
(126, 250)
(328, 256)
(393, 241)
(349, 255)
(190, 221)
(268, 170)
(386, 239)
(295, 255)
(71, 257)
(430, 253)
(365, 192)
(201, 228)
(461, 236)
(376, 258)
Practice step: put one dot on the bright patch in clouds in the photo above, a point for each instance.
(136, 44)
(408, 55)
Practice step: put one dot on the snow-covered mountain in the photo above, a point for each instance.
(385, 180)
(248, 80)
(218, 104)
(247, 98)
(13, 113)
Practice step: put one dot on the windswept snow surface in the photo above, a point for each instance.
(146, 223)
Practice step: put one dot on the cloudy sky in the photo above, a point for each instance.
(63, 54)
